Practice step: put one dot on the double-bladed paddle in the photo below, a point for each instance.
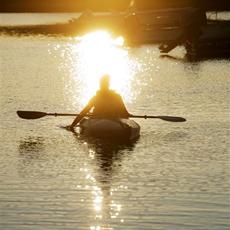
(37, 114)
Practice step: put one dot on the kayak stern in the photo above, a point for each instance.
(115, 129)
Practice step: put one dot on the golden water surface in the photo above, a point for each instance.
(176, 176)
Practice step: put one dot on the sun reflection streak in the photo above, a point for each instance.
(96, 191)
(104, 207)
(97, 54)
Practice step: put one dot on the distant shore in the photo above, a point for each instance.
(213, 38)
(101, 5)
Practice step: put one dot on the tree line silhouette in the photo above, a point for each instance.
(102, 5)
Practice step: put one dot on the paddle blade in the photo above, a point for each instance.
(172, 119)
(31, 114)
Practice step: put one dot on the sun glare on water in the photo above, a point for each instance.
(98, 53)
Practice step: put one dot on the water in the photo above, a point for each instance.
(176, 176)
(14, 19)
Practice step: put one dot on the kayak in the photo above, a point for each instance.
(115, 129)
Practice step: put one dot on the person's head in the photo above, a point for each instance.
(105, 82)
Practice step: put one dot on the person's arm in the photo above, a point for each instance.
(81, 115)
(124, 111)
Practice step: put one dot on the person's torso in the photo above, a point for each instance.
(108, 104)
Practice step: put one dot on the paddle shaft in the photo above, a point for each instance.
(62, 114)
(90, 115)
(143, 116)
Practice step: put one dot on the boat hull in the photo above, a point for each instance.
(115, 129)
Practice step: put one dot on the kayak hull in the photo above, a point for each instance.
(115, 129)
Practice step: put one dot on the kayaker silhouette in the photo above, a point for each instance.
(105, 104)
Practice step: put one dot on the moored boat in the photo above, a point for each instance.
(116, 129)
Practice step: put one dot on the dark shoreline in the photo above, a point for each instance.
(101, 5)
(214, 40)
